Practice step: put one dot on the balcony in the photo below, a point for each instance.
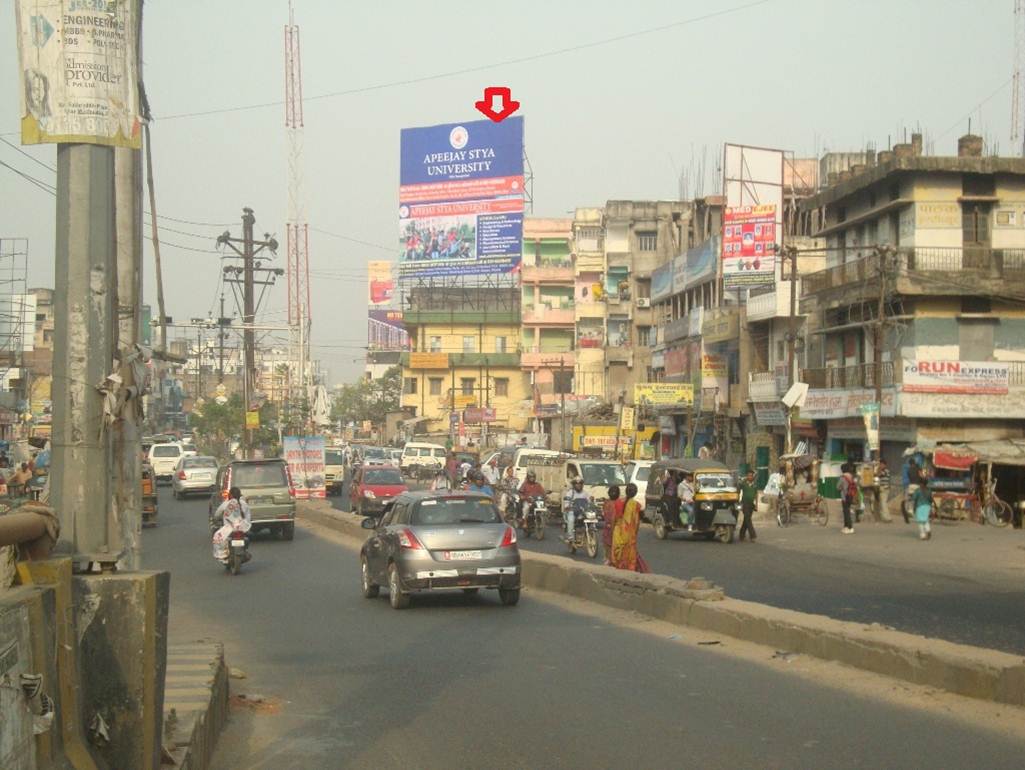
(848, 377)
(771, 304)
(549, 315)
(537, 358)
(923, 271)
(548, 273)
(765, 386)
(620, 354)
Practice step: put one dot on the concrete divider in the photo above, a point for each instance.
(195, 702)
(972, 671)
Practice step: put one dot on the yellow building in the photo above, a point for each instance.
(466, 356)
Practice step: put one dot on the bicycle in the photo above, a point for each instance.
(996, 512)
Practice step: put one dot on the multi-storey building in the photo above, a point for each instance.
(588, 305)
(922, 296)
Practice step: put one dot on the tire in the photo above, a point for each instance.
(997, 513)
(234, 564)
(724, 534)
(660, 526)
(510, 597)
(821, 512)
(591, 536)
(539, 527)
(397, 599)
(288, 532)
(784, 514)
(370, 589)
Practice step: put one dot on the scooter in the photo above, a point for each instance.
(238, 551)
(587, 522)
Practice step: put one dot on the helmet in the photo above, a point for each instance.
(531, 476)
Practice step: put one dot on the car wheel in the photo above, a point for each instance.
(397, 599)
(370, 589)
(509, 596)
(660, 527)
(288, 532)
(725, 534)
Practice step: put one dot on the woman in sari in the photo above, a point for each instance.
(624, 535)
(612, 509)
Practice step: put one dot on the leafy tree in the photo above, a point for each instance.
(369, 399)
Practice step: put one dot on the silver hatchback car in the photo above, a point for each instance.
(440, 541)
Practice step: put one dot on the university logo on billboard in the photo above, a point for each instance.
(965, 377)
(461, 199)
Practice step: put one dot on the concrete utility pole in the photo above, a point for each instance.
(220, 344)
(791, 340)
(882, 261)
(84, 312)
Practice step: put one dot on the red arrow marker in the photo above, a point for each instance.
(507, 106)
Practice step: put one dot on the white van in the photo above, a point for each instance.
(163, 458)
(418, 454)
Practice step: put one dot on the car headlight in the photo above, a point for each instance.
(369, 494)
(707, 506)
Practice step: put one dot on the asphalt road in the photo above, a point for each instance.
(461, 681)
(968, 606)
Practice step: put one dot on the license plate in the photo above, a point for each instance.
(238, 543)
(462, 555)
(202, 477)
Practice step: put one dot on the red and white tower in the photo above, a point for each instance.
(297, 229)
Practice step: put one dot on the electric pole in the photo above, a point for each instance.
(791, 339)
(882, 264)
(220, 343)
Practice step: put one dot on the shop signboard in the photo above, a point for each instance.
(827, 404)
(664, 393)
(477, 414)
(607, 442)
(769, 413)
(720, 326)
(627, 419)
(749, 246)
(428, 360)
(964, 377)
(79, 76)
(305, 458)
(461, 199)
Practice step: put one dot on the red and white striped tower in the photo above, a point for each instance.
(299, 314)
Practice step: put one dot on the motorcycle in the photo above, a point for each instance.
(238, 551)
(533, 523)
(587, 522)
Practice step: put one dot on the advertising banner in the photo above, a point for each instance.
(305, 458)
(967, 377)
(701, 264)
(428, 360)
(252, 420)
(870, 413)
(380, 283)
(749, 246)
(461, 199)
(478, 414)
(664, 393)
(627, 419)
(386, 331)
(79, 78)
(662, 282)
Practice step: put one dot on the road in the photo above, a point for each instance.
(462, 682)
(879, 575)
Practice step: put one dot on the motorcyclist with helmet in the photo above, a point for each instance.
(529, 489)
(574, 501)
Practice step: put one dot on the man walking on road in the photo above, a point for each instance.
(848, 489)
(748, 499)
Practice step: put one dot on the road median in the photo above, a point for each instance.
(971, 671)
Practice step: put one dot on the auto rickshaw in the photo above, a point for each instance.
(716, 498)
(149, 497)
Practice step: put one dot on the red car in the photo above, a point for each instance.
(374, 486)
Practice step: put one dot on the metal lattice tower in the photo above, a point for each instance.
(297, 229)
(1018, 80)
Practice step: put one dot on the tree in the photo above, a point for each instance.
(369, 399)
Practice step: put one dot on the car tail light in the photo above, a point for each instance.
(291, 486)
(408, 540)
(227, 485)
(509, 539)
(181, 475)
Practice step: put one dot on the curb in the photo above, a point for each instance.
(962, 669)
(195, 703)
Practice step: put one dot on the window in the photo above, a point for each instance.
(647, 240)
(435, 385)
(40, 316)
(246, 475)
(563, 381)
(466, 385)
(645, 336)
(409, 386)
(168, 450)
(469, 343)
(975, 224)
(435, 344)
(500, 344)
(501, 386)
(456, 510)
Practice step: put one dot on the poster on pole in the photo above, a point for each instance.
(461, 199)
(749, 246)
(305, 458)
(79, 73)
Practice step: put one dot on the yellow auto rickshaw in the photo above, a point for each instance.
(711, 513)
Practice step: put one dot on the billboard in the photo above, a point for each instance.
(752, 179)
(305, 458)
(386, 331)
(662, 282)
(79, 74)
(664, 393)
(748, 246)
(966, 377)
(428, 360)
(380, 283)
(461, 199)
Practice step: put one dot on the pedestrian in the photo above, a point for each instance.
(669, 492)
(848, 489)
(611, 510)
(705, 452)
(624, 535)
(748, 500)
(452, 468)
(882, 490)
(922, 502)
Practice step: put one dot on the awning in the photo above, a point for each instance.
(1008, 451)
(953, 460)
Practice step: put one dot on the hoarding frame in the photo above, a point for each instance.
(740, 190)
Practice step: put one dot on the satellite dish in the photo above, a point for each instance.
(796, 395)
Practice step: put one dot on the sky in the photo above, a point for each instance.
(647, 89)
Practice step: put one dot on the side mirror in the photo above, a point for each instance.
(369, 523)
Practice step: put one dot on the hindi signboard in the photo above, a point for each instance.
(79, 73)
(966, 377)
(664, 393)
(461, 199)
(428, 360)
(749, 246)
(305, 458)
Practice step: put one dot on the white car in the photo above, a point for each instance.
(163, 459)
(194, 474)
(638, 472)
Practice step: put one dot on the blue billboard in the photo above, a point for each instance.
(461, 199)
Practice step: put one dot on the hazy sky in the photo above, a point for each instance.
(618, 120)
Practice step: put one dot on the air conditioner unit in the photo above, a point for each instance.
(643, 302)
